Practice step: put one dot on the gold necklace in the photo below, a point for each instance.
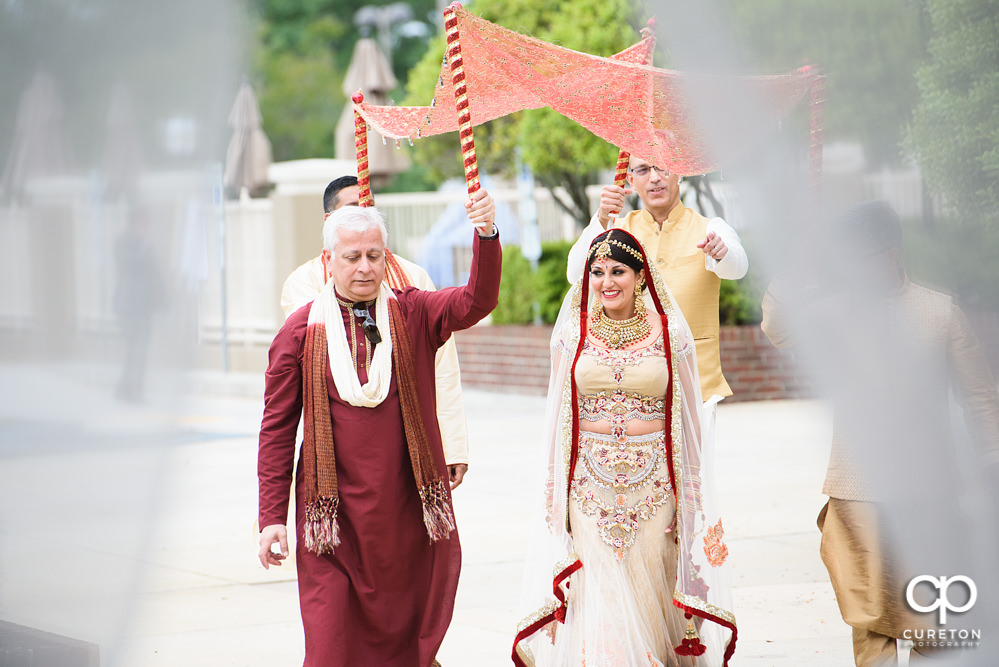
(618, 333)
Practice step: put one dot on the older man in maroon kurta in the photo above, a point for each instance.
(385, 595)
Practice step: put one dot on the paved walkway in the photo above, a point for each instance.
(186, 588)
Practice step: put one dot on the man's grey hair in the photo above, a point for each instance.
(352, 219)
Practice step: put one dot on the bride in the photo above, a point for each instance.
(627, 565)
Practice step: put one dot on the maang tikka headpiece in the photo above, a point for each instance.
(603, 249)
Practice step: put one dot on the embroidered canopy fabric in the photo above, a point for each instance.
(647, 111)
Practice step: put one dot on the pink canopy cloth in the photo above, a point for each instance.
(647, 111)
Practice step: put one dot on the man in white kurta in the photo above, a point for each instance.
(305, 283)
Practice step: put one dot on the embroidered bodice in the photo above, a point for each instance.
(620, 385)
(621, 479)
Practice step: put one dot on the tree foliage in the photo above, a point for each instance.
(302, 50)
(868, 49)
(955, 128)
(560, 152)
(521, 287)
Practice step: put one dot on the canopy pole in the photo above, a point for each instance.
(815, 130)
(361, 150)
(461, 99)
(623, 157)
(621, 173)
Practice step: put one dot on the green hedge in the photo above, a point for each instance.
(739, 300)
(521, 287)
(550, 280)
(515, 298)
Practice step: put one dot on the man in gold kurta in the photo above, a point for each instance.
(305, 283)
(889, 351)
(694, 254)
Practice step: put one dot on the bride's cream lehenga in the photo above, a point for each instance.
(628, 564)
(622, 512)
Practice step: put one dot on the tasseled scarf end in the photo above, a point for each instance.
(437, 514)
(322, 532)
(691, 644)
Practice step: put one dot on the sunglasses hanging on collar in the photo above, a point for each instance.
(368, 323)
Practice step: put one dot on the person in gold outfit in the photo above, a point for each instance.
(693, 254)
(630, 525)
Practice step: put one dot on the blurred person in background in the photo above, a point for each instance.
(377, 551)
(139, 292)
(891, 353)
(307, 281)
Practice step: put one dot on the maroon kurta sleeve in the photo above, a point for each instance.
(279, 426)
(457, 308)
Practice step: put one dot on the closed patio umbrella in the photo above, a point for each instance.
(39, 149)
(371, 73)
(249, 152)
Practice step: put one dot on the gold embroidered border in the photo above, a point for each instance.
(676, 419)
(528, 621)
(703, 605)
(563, 564)
(600, 406)
(565, 417)
(548, 609)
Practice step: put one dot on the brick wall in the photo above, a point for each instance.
(516, 359)
(756, 370)
(511, 358)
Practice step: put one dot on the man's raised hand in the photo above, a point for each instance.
(481, 212)
(612, 201)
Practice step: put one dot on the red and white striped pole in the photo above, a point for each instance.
(815, 131)
(621, 173)
(623, 157)
(461, 99)
(361, 149)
